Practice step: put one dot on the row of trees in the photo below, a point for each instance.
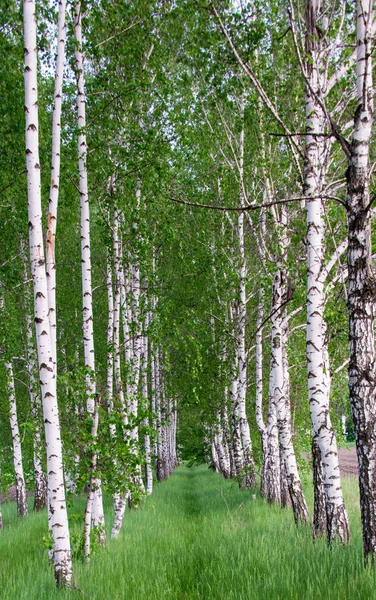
(258, 119)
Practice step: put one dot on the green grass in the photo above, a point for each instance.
(185, 543)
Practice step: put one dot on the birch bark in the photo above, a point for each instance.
(40, 480)
(259, 394)
(94, 510)
(236, 434)
(145, 395)
(316, 161)
(56, 491)
(249, 464)
(55, 177)
(361, 286)
(21, 496)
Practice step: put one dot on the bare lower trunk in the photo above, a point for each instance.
(22, 509)
(285, 494)
(272, 463)
(145, 395)
(319, 512)
(121, 505)
(259, 394)
(236, 435)
(298, 501)
(40, 480)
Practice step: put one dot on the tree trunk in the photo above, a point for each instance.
(361, 290)
(40, 480)
(55, 177)
(22, 509)
(94, 502)
(319, 512)
(56, 491)
(145, 395)
(249, 465)
(316, 159)
(298, 502)
(259, 393)
(236, 435)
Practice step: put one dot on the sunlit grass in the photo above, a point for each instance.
(197, 536)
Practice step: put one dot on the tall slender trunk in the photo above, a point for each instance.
(116, 319)
(227, 436)
(40, 480)
(361, 287)
(236, 434)
(22, 509)
(145, 395)
(249, 464)
(120, 498)
(110, 347)
(55, 177)
(272, 463)
(137, 351)
(159, 469)
(259, 394)
(94, 509)
(316, 159)
(56, 492)
(221, 446)
(153, 381)
(295, 489)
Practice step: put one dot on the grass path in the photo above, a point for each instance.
(196, 537)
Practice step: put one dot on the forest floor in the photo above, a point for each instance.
(197, 537)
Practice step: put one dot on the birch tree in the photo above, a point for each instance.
(94, 508)
(21, 497)
(361, 286)
(56, 491)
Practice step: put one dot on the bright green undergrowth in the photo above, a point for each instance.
(197, 536)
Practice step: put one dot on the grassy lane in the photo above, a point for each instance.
(197, 537)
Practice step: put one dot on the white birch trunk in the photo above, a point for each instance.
(55, 177)
(40, 480)
(116, 325)
(21, 496)
(56, 491)
(94, 503)
(249, 465)
(272, 464)
(316, 158)
(145, 395)
(295, 489)
(259, 394)
(137, 351)
(236, 435)
(215, 459)
(110, 347)
(119, 514)
(153, 398)
(361, 278)
(159, 414)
